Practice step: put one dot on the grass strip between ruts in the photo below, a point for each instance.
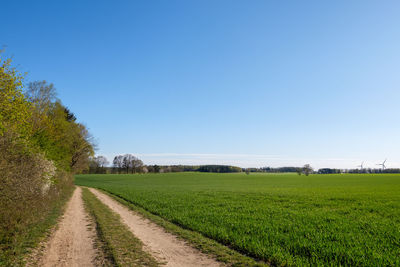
(120, 244)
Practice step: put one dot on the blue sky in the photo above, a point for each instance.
(250, 83)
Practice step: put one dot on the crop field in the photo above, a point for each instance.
(284, 219)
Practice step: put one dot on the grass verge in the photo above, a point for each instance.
(28, 237)
(123, 248)
(221, 252)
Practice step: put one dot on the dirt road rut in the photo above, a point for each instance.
(164, 246)
(72, 243)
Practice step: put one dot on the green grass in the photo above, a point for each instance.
(120, 244)
(29, 233)
(209, 246)
(283, 219)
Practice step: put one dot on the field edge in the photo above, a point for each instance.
(220, 252)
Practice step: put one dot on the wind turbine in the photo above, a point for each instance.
(361, 166)
(382, 164)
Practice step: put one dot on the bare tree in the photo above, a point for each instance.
(103, 162)
(41, 94)
(128, 162)
(307, 169)
(137, 165)
(118, 162)
(98, 164)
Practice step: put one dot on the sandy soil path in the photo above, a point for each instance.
(72, 243)
(164, 246)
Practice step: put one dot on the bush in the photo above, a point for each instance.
(30, 186)
(40, 146)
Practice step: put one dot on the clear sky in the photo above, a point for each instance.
(250, 83)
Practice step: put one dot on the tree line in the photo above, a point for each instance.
(364, 170)
(41, 146)
(306, 170)
(128, 163)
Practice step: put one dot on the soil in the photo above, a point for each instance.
(162, 245)
(72, 244)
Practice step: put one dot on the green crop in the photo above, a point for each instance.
(283, 219)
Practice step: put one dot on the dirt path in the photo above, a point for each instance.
(164, 246)
(72, 243)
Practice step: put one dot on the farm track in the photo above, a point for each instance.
(72, 242)
(163, 246)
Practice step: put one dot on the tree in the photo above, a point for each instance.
(219, 168)
(127, 162)
(307, 169)
(70, 116)
(82, 148)
(118, 162)
(43, 97)
(41, 145)
(130, 162)
(41, 94)
(98, 164)
(15, 110)
(156, 168)
(55, 130)
(137, 165)
(102, 161)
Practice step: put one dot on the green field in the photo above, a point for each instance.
(283, 219)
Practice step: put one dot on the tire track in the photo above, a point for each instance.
(163, 246)
(72, 243)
